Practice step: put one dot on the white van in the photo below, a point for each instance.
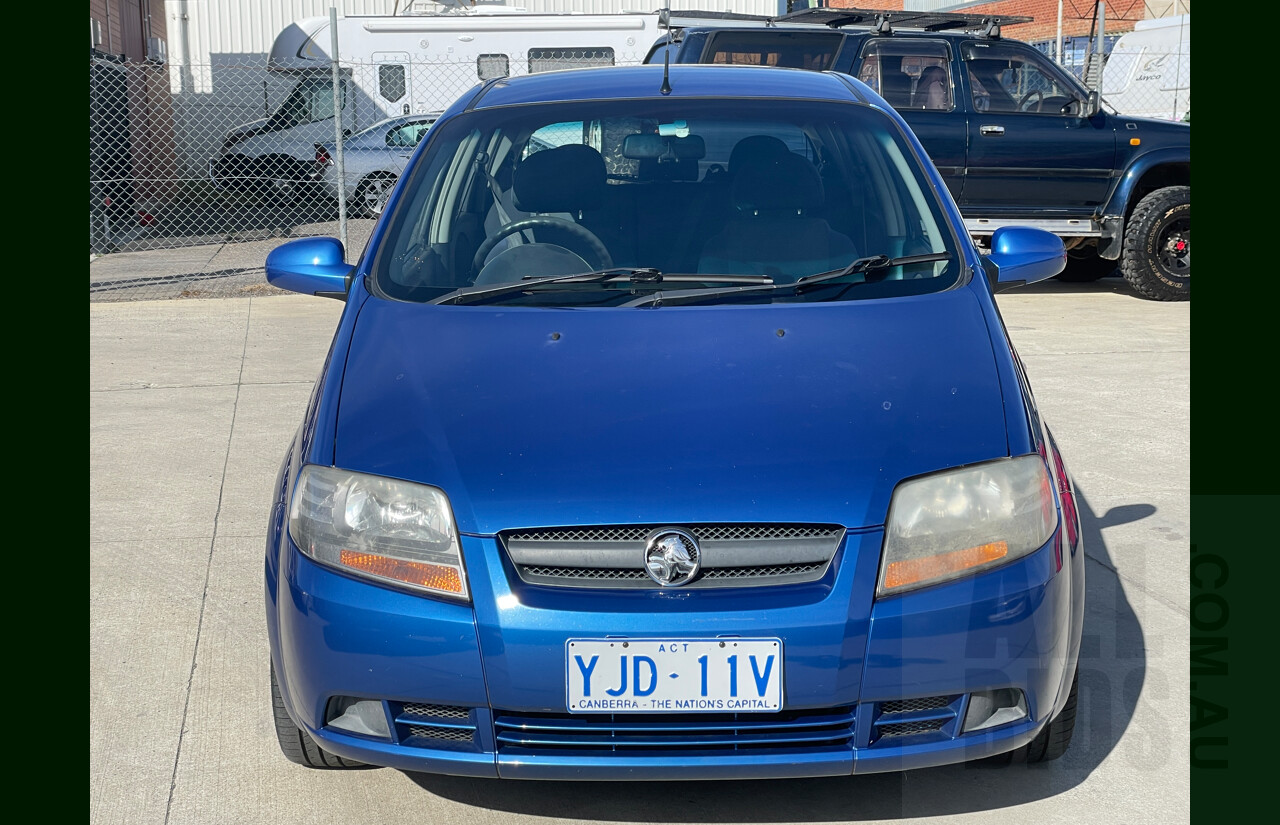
(1149, 71)
(410, 64)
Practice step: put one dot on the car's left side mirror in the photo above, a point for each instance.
(1023, 255)
(311, 266)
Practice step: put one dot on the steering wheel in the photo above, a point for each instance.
(576, 231)
(1025, 102)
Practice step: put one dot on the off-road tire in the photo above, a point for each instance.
(1158, 221)
(295, 743)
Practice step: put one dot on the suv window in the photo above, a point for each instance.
(791, 50)
(909, 74)
(1007, 78)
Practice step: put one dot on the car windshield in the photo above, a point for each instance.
(673, 195)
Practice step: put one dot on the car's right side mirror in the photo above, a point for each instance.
(1023, 255)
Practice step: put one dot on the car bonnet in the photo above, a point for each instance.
(777, 413)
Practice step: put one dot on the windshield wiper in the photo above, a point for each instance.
(867, 264)
(618, 274)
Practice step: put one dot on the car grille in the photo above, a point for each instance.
(799, 729)
(435, 726)
(910, 717)
(732, 555)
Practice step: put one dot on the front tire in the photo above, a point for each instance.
(1053, 741)
(1157, 245)
(295, 743)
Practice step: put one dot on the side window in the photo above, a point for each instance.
(408, 135)
(556, 134)
(391, 81)
(548, 60)
(1008, 78)
(320, 101)
(909, 74)
(493, 66)
(793, 50)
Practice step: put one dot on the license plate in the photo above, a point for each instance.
(674, 676)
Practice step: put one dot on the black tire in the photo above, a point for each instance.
(371, 194)
(1054, 740)
(1086, 265)
(296, 744)
(1157, 245)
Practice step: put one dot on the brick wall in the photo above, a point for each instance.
(1077, 15)
(111, 14)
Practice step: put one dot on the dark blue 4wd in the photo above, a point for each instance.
(1018, 140)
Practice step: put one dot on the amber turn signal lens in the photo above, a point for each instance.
(1135, 141)
(911, 571)
(432, 576)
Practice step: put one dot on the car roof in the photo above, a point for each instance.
(398, 119)
(687, 80)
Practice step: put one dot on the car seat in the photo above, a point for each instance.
(776, 230)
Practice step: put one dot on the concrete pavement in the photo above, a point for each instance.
(193, 402)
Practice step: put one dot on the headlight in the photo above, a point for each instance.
(952, 524)
(380, 528)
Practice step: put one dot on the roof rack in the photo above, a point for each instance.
(879, 20)
(885, 21)
(682, 18)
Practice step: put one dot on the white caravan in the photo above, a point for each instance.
(1149, 71)
(410, 64)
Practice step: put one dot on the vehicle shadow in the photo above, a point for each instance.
(1102, 286)
(1112, 674)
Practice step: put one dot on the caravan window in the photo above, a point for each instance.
(549, 60)
(391, 81)
(493, 66)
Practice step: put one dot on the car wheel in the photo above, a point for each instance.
(296, 744)
(1157, 245)
(372, 194)
(1050, 743)
(1086, 265)
(1054, 740)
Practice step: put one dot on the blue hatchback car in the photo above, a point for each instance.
(671, 431)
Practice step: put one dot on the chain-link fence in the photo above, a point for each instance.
(219, 164)
(197, 172)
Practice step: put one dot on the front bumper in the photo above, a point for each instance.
(497, 669)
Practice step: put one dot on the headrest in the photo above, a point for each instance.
(787, 183)
(755, 149)
(650, 147)
(564, 179)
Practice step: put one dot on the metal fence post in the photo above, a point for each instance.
(337, 126)
(1101, 56)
